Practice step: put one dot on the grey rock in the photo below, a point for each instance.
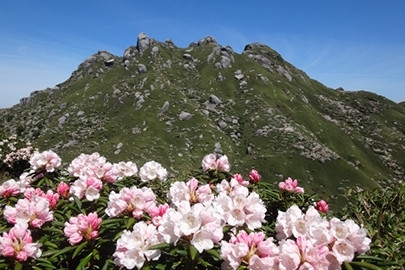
(222, 124)
(154, 51)
(214, 99)
(143, 42)
(80, 113)
(207, 40)
(165, 107)
(225, 62)
(142, 68)
(88, 61)
(218, 65)
(70, 144)
(185, 116)
(119, 145)
(126, 62)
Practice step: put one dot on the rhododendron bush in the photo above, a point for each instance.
(100, 215)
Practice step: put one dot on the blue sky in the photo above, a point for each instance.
(357, 45)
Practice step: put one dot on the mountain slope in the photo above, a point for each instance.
(174, 105)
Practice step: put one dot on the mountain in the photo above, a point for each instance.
(175, 105)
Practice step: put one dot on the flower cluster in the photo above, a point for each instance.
(227, 215)
(17, 243)
(15, 154)
(82, 226)
(45, 161)
(211, 162)
(319, 242)
(290, 185)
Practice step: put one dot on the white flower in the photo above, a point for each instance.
(133, 247)
(152, 170)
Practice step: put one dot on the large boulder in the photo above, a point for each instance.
(143, 42)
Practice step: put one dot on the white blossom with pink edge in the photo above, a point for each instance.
(190, 191)
(134, 201)
(88, 188)
(47, 160)
(35, 212)
(199, 223)
(133, 247)
(9, 188)
(240, 207)
(210, 162)
(314, 233)
(250, 249)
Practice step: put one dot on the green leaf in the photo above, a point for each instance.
(84, 262)
(50, 244)
(213, 252)
(78, 202)
(193, 252)
(56, 253)
(347, 266)
(79, 248)
(131, 221)
(366, 265)
(159, 246)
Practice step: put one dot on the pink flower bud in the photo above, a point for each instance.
(322, 206)
(63, 190)
(254, 176)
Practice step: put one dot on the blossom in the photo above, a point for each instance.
(35, 212)
(156, 212)
(126, 169)
(250, 249)
(89, 188)
(322, 206)
(9, 188)
(190, 191)
(152, 170)
(254, 176)
(241, 207)
(17, 243)
(131, 200)
(290, 186)
(199, 224)
(132, 249)
(63, 190)
(210, 162)
(47, 160)
(81, 227)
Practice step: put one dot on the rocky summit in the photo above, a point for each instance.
(174, 105)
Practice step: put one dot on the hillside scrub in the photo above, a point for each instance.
(93, 214)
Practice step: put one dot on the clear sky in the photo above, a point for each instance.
(354, 44)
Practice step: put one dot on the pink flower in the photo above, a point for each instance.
(157, 212)
(322, 206)
(63, 190)
(81, 227)
(290, 186)
(35, 212)
(251, 249)
(17, 243)
(254, 176)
